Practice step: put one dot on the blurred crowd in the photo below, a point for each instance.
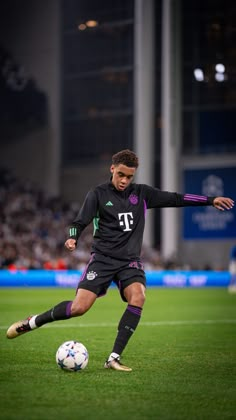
(34, 227)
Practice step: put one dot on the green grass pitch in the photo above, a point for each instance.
(183, 356)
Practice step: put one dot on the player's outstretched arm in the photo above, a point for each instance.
(222, 203)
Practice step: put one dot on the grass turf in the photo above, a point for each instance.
(183, 356)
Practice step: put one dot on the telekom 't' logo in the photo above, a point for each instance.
(126, 220)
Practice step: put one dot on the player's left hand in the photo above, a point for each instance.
(222, 203)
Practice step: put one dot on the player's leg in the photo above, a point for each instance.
(134, 294)
(64, 310)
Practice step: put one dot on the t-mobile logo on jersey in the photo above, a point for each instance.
(126, 219)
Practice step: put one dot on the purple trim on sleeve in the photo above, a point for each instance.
(145, 207)
(197, 198)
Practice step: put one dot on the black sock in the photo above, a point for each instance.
(59, 312)
(126, 327)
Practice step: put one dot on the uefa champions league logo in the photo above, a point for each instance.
(213, 186)
(208, 219)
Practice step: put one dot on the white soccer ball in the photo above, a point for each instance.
(72, 356)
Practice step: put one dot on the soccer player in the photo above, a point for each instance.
(117, 209)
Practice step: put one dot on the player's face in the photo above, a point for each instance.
(122, 176)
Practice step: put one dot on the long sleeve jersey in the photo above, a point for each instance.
(119, 216)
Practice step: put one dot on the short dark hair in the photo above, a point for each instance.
(126, 157)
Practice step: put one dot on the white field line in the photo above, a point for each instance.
(142, 324)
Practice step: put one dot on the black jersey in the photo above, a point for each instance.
(119, 216)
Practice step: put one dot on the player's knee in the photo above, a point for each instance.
(78, 309)
(141, 300)
(137, 299)
(135, 294)
(82, 303)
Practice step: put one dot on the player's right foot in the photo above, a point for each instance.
(19, 328)
(116, 365)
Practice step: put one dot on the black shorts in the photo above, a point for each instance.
(101, 271)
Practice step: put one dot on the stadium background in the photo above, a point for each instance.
(83, 79)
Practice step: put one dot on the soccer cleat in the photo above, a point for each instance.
(19, 328)
(116, 365)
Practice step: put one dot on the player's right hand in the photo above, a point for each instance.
(70, 244)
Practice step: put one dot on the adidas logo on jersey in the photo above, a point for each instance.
(109, 203)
